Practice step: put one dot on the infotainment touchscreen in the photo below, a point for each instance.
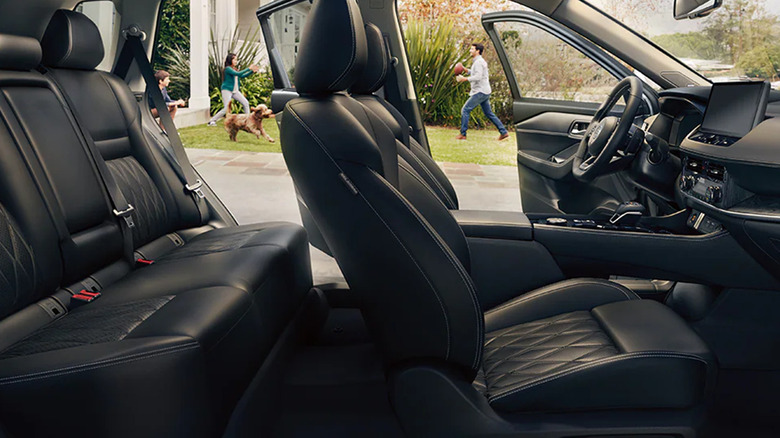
(735, 108)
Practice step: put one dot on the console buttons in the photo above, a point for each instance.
(713, 194)
(557, 221)
(586, 223)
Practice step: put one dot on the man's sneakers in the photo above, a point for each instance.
(460, 137)
(503, 136)
(212, 124)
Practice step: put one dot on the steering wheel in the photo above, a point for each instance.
(606, 133)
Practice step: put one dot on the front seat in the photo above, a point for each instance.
(579, 357)
(369, 82)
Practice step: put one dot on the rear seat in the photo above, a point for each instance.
(167, 349)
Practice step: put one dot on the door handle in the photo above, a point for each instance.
(578, 129)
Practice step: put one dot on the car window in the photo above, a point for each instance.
(108, 20)
(548, 68)
(287, 26)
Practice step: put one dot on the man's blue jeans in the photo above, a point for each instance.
(482, 100)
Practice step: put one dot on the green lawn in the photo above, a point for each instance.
(215, 137)
(481, 146)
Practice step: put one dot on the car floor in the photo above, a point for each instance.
(334, 385)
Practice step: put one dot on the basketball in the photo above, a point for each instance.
(458, 69)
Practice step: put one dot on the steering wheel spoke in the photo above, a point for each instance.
(607, 133)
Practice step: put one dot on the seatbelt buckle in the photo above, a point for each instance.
(126, 214)
(196, 188)
(144, 262)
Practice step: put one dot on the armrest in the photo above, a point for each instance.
(508, 225)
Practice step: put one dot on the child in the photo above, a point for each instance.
(230, 86)
(163, 80)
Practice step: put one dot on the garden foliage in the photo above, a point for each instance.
(258, 87)
(433, 49)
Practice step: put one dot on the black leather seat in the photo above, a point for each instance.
(167, 350)
(411, 152)
(580, 345)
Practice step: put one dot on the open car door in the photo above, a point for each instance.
(558, 80)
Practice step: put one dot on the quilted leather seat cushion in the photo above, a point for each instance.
(523, 354)
(160, 357)
(626, 354)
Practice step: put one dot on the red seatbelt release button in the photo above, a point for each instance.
(144, 262)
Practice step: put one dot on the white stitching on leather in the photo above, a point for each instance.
(324, 149)
(629, 356)
(99, 364)
(456, 264)
(354, 48)
(532, 296)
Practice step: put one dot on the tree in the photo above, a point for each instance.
(741, 26)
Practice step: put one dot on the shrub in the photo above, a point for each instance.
(433, 50)
(177, 63)
(258, 87)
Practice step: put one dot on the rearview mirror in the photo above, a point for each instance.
(694, 8)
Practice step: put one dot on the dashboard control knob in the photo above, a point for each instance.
(687, 182)
(713, 195)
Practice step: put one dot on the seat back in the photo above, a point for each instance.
(30, 259)
(72, 48)
(370, 81)
(404, 256)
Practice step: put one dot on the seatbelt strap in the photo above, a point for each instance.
(121, 208)
(133, 50)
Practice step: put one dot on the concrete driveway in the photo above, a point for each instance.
(257, 187)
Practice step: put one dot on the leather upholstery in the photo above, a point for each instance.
(372, 79)
(326, 65)
(562, 297)
(377, 63)
(510, 225)
(180, 339)
(580, 360)
(81, 48)
(583, 344)
(17, 268)
(19, 53)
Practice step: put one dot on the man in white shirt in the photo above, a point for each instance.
(480, 93)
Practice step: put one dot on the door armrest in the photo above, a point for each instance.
(507, 225)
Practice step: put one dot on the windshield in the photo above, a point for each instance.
(738, 41)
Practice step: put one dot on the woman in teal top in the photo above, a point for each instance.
(230, 86)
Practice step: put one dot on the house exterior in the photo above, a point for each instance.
(221, 18)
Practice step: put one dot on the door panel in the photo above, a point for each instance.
(558, 81)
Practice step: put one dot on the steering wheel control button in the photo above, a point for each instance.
(558, 221)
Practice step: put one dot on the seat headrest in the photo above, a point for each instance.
(377, 66)
(73, 41)
(332, 51)
(19, 52)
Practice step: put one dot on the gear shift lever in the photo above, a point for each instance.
(627, 213)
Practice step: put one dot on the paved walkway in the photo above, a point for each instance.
(257, 187)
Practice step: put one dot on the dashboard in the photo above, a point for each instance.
(730, 175)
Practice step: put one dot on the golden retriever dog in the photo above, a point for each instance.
(251, 123)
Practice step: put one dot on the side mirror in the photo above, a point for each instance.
(694, 8)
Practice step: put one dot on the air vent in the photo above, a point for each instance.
(694, 165)
(715, 171)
